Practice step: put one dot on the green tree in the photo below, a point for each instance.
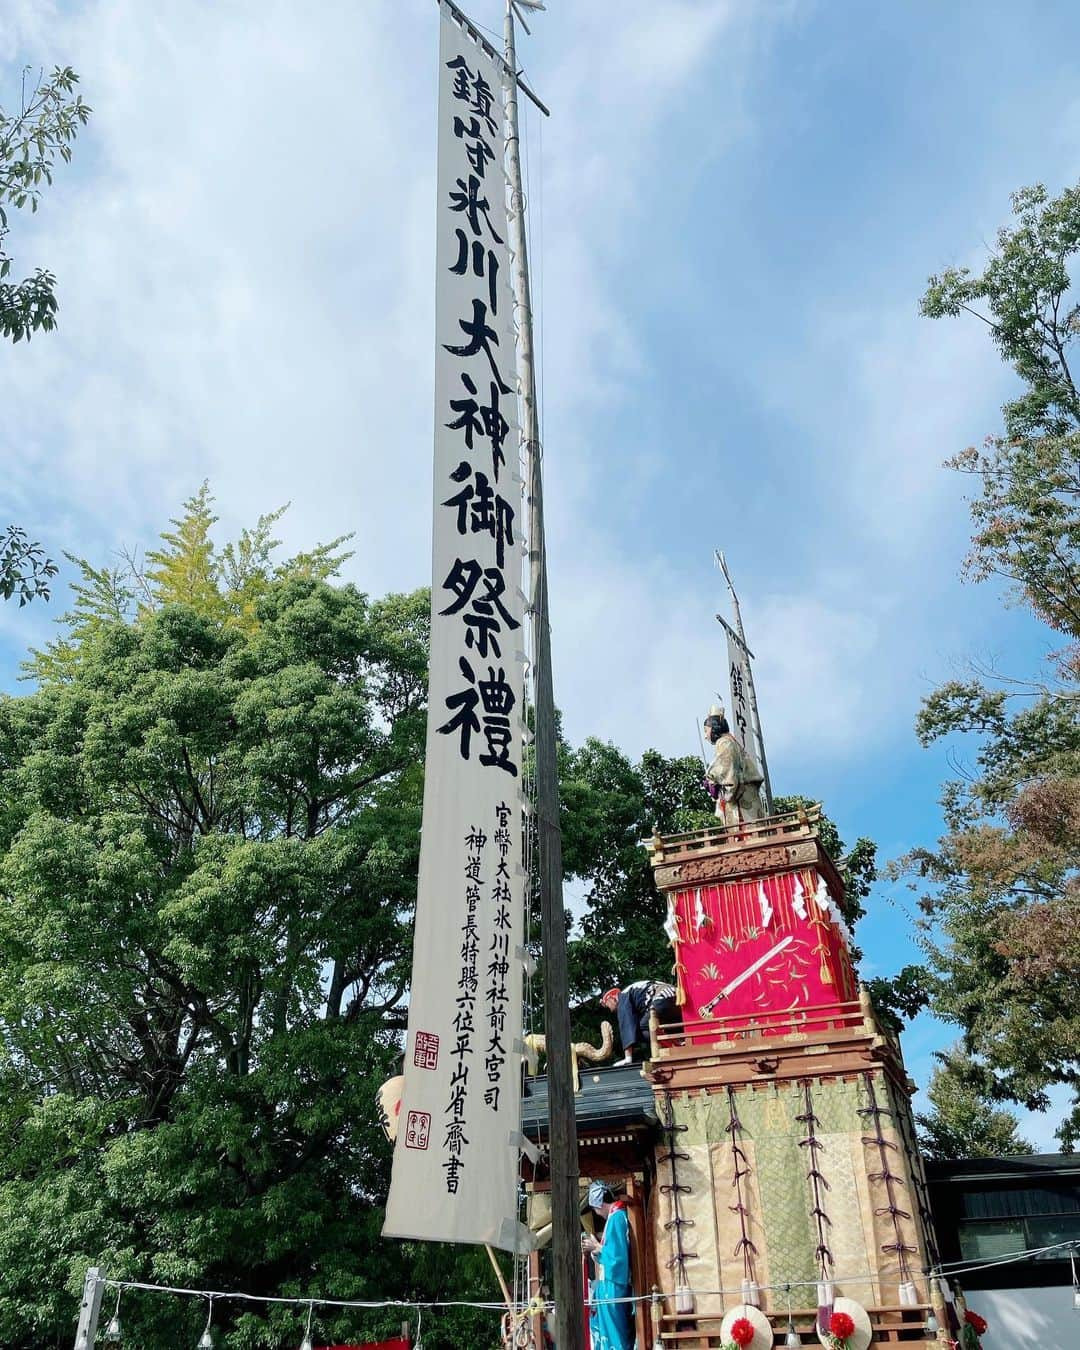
(1000, 890)
(43, 127)
(45, 124)
(209, 824)
(24, 569)
(611, 806)
(962, 1122)
(900, 997)
(209, 828)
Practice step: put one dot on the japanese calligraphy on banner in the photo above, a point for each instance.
(455, 1164)
(739, 685)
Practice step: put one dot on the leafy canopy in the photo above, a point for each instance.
(610, 806)
(209, 829)
(961, 1122)
(44, 126)
(24, 569)
(209, 826)
(224, 585)
(1000, 890)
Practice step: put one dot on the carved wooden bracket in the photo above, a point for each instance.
(739, 863)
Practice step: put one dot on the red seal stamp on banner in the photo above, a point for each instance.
(417, 1129)
(426, 1050)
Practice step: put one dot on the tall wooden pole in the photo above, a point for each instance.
(90, 1310)
(721, 562)
(562, 1131)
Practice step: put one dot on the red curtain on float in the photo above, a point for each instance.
(748, 951)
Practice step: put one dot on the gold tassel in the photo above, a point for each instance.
(680, 992)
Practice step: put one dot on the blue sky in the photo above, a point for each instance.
(734, 209)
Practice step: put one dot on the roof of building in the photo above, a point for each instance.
(617, 1097)
(1022, 1167)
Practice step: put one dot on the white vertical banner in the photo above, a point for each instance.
(738, 688)
(455, 1169)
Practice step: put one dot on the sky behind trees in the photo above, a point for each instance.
(734, 209)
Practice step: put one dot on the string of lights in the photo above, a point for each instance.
(962, 1267)
(113, 1332)
(218, 1295)
(230, 1296)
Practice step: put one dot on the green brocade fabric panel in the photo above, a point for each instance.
(836, 1106)
(789, 1231)
(769, 1118)
(849, 1240)
(705, 1119)
(790, 1235)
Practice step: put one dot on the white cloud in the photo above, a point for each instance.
(245, 253)
(24, 29)
(244, 250)
(245, 261)
(918, 393)
(639, 657)
(245, 247)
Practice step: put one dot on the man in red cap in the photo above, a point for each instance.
(633, 1004)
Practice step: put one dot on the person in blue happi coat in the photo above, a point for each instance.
(611, 1323)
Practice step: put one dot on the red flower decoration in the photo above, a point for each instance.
(974, 1320)
(742, 1331)
(841, 1326)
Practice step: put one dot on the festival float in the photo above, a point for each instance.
(765, 1150)
(761, 1163)
(760, 1166)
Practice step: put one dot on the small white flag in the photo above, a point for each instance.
(763, 903)
(798, 900)
(828, 905)
(671, 923)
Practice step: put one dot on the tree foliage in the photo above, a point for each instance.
(899, 998)
(24, 569)
(1000, 890)
(962, 1122)
(209, 825)
(45, 124)
(209, 830)
(43, 127)
(611, 807)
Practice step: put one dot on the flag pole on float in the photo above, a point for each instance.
(562, 1131)
(562, 1135)
(740, 637)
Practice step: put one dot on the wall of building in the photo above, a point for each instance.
(1027, 1319)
